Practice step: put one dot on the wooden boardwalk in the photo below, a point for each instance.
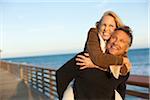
(12, 88)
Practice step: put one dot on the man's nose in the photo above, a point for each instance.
(116, 42)
(106, 28)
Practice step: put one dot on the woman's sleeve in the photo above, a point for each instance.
(97, 56)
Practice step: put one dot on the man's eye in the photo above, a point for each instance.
(122, 41)
(113, 37)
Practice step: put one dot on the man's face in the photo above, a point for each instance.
(118, 43)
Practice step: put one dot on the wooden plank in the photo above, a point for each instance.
(138, 94)
(139, 80)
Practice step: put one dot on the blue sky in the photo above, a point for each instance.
(39, 27)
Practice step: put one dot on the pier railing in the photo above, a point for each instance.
(139, 81)
(43, 79)
(40, 79)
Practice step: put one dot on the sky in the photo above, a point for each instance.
(40, 27)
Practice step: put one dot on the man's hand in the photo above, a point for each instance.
(84, 61)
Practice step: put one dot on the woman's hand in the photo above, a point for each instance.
(84, 61)
(127, 63)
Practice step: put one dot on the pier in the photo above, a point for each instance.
(28, 82)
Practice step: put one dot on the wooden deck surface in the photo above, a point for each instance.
(13, 89)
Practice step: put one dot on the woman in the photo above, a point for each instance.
(103, 30)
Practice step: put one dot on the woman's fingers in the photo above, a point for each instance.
(86, 54)
(80, 64)
(79, 60)
(83, 67)
(81, 56)
(83, 61)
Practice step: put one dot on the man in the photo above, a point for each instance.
(95, 84)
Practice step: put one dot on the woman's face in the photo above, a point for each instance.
(106, 27)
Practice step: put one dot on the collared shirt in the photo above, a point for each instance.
(102, 43)
(103, 48)
(115, 69)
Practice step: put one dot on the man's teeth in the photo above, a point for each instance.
(114, 47)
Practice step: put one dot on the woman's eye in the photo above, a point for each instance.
(111, 25)
(103, 24)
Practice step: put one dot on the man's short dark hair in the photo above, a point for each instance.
(128, 31)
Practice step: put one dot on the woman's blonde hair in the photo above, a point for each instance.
(112, 14)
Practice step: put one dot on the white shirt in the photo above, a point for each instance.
(115, 69)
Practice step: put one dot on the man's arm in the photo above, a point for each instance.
(97, 56)
(64, 76)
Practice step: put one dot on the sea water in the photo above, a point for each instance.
(138, 57)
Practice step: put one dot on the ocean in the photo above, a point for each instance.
(138, 57)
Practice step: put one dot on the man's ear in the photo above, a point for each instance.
(127, 48)
(125, 54)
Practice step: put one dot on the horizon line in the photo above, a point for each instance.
(73, 52)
